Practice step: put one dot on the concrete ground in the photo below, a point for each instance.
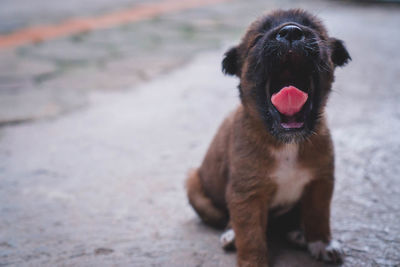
(99, 129)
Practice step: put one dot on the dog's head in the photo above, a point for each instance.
(286, 50)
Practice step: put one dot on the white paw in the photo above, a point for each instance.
(227, 239)
(329, 252)
(297, 238)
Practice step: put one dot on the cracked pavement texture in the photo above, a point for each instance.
(103, 185)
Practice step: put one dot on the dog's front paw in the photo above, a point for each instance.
(297, 238)
(328, 252)
(227, 240)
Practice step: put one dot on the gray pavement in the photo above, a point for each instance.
(103, 185)
(55, 77)
(16, 14)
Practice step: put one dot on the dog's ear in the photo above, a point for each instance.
(339, 55)
(230, 63)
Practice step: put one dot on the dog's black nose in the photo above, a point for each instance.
(290, 33)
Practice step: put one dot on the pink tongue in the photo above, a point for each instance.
(289, 100)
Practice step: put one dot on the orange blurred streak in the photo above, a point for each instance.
(45, 32)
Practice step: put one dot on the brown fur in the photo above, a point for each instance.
(235, 182)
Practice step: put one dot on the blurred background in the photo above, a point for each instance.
(105, 105)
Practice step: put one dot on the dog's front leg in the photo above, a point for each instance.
(316, 221)
(248, 214)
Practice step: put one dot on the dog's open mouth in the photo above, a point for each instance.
(290, 96)
(289, 101)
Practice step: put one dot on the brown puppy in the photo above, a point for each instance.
(271, 157)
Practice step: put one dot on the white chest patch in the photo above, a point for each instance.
(288, 175)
